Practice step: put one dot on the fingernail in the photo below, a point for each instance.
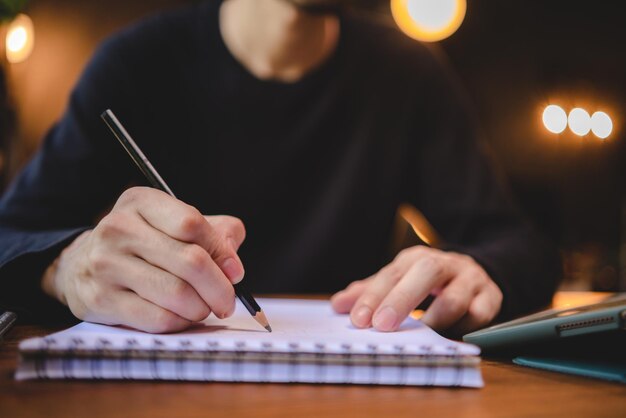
(232, 270)
(226, 314)
(362, 317)
(386, 319)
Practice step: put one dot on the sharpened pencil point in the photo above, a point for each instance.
(261, 319)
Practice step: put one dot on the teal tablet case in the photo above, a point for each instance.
(554, 325)
(587, 368)
(586, 341)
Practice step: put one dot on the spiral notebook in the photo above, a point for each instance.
(310, 344)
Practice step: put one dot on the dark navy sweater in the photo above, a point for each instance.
(315, 169)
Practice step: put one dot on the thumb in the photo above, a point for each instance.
(228, 235)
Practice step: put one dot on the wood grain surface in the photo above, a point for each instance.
(510, 391)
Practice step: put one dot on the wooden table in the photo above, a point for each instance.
(510, 391)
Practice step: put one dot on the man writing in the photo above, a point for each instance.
(305, 125)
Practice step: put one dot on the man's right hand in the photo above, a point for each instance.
(153, 263)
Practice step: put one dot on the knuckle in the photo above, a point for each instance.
(481, 316)
(226, 300)
(432, 264)
(201, 313)
(474, 267)
(78, 308)
(191, 222)
(453, 303)
(404, 298)
(418, 251)
(355, 285)
(369, 299)
(498, 295)
(239, 227)
(111, 226)
(404, 253)
(408, 252)
(179, 290)
(391, 272)
(97, 299)
(195, 257)
(130, 196)
(467, 259)
(99, 261)
(164, 321)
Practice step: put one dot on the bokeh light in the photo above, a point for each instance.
(601, 125)
(20, 39)
(428, 20)
(554, 119)
(579, 121)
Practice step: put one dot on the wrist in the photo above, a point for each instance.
(49, 281)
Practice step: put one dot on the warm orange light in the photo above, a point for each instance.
(422, 228)
(20, 39)
(428, 20)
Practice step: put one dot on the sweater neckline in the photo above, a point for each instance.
(321, 71)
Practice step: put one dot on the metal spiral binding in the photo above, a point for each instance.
(458, 379)
(208, 362)
(347, 369)
(403, 378)
(41, 362)
(185, 346)
(127, 354)
(320, 371)
(265, 363)
(157, 347)
(67, 362)
(431, 375)
(318, 360)
(237, 367)
(96, 361)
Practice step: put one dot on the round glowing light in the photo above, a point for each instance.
(17, 39)
(20, 39)
(428, 20)
(554, 119)
(601, 125)
(579, 121)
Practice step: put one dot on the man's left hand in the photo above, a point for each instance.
(466, 298)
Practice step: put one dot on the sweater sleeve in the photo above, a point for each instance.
(460, 191)
(77, 173)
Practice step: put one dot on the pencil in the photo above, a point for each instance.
(158, 183)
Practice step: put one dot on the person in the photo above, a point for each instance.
(293, 124)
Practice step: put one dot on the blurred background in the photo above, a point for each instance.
(547, 79)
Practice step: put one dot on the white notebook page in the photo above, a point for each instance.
(298, 325)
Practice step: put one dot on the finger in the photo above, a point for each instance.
(425, 274)
(184, 223)
(189, 262)
(160, 287)
(482, 310)
(344, 300)
(230, 228)
(451, 304)
(376, 290)
(166, 213)
(229, 234)
(124, 307)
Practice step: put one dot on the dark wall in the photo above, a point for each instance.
(517, 56)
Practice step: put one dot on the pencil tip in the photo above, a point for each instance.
(261, 319)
